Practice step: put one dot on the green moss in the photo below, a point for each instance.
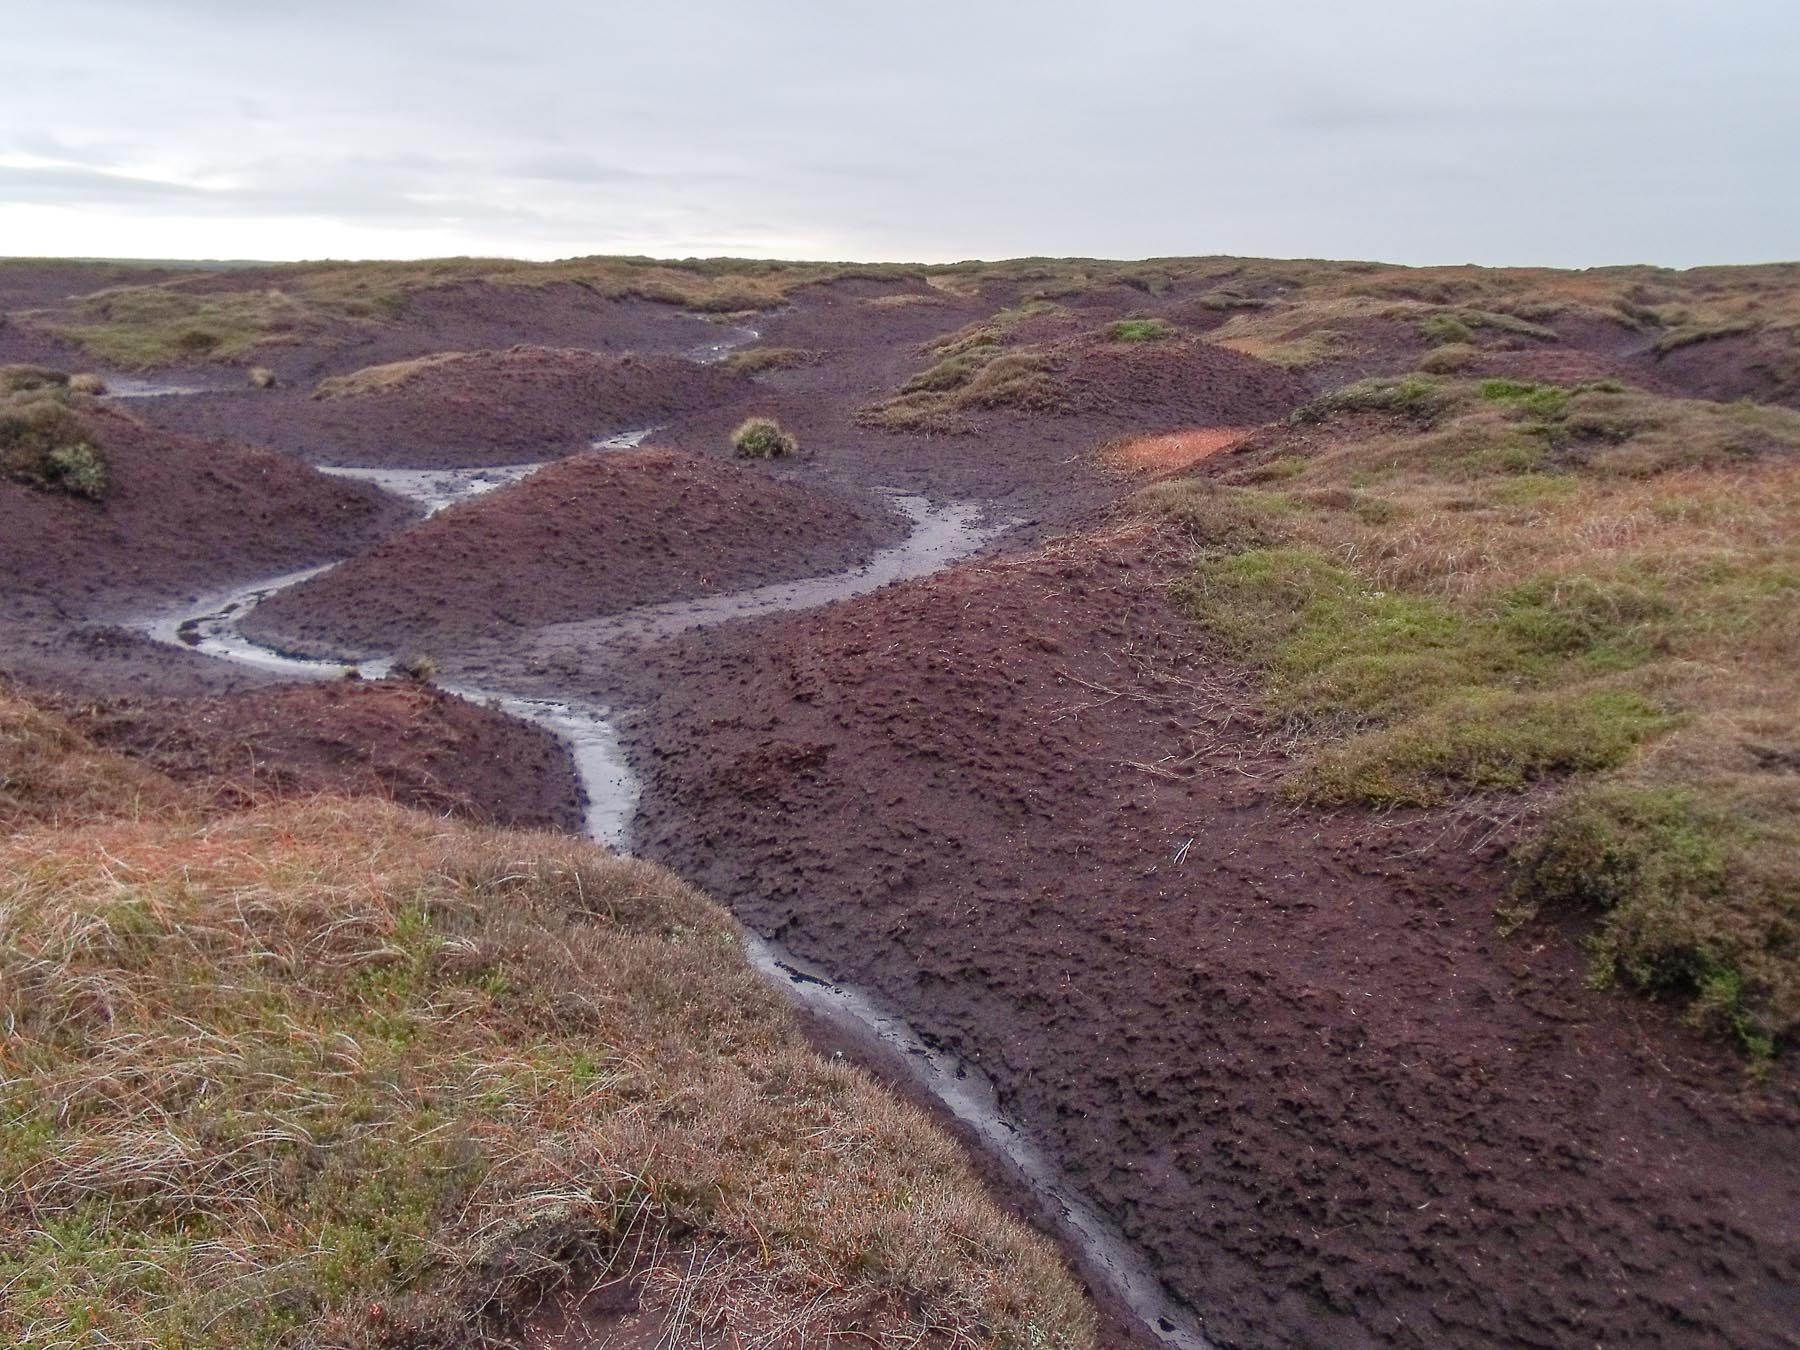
(1484, 740)
(1433, 699)
(1140, 330)
(1683, 909)
(1548, 402)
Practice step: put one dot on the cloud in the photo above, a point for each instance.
(1402, 129)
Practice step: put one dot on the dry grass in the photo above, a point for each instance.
(49, 775)
(388, 378)
(344, 1074)
(974, 369)
(1461, 586)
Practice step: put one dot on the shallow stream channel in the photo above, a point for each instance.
(938, 535)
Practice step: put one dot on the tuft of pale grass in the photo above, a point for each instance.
(346, 1074)
(50, 775)
(388, 378)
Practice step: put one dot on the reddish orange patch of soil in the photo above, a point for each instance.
(1174, 449)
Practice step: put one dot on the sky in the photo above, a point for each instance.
(1556, 132)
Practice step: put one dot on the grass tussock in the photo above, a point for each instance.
(760, 360)
(346, 1074)
(973, 370)
(51, 776)
(762, 438)
(46, 442)
(29, 379)
(1460, 586)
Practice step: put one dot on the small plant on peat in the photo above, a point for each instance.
(762, 438)
(418, 667)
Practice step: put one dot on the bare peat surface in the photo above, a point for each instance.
(462, 409)
(390, 738)
(592, 535)
(181, 514)
(1290, 1054)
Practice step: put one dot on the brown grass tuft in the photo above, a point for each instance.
(340, 1073)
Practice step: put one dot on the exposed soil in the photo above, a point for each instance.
(1291, 1052)
(1182, 380)
(590, 536)
(183, 515)
(520, 404)
(391, 738)
(1764, 366)
(1174, 449)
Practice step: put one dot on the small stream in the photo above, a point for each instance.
(938, 535)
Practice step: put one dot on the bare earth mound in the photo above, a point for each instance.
(180, 515)
(407, 742)
(1192, 381)
(590, 536)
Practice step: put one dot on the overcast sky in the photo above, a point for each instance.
(1569, 132)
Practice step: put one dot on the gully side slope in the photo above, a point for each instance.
(176, 515)
(341, 1073)
(396, 739)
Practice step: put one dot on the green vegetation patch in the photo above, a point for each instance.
(757, 360)
(1503, 583)
(1432, 699)
(47, 444)
(762, 438)
(967, 379)
(1690, 897)
(1140, 330)
(138, 326)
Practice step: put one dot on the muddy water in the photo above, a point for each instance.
(711, 353)
(144, 386)
(939, 535)
(434, 489)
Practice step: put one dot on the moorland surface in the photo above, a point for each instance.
(1319, 739)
